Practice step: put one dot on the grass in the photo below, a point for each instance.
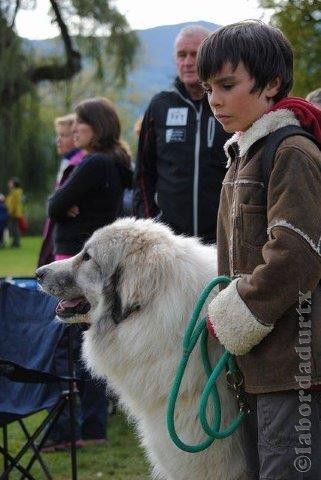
(122, 458)
(20, 262)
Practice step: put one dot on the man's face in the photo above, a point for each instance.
(64, 139)
(231, 100)
(185, 57)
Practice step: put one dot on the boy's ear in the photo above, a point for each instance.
(273, 87)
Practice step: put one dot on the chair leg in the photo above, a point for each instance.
(49, 420)
(13, 464)
(14, 461)
(36, 455)
(71, 403)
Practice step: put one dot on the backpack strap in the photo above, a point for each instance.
(273, 140)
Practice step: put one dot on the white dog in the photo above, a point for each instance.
(136, 283)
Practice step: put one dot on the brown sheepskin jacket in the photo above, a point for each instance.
(269, 242)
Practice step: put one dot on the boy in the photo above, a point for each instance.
(269, 243)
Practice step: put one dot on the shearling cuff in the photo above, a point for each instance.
(235, 325)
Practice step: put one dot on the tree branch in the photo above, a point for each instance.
(73, 58)
(15, 13)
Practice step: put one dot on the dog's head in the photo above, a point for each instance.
(122, 265)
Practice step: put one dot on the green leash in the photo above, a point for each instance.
(192, 334)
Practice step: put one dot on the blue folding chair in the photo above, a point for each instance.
(28, 383)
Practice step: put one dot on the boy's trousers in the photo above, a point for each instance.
(282, 436)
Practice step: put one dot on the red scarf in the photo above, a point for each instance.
(309, 115)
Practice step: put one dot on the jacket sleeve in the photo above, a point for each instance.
(90, 173)
(246, 311)
(146, 170)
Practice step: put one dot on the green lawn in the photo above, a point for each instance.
(20, 261)
(121, 458)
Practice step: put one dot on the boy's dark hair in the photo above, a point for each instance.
(264, 50)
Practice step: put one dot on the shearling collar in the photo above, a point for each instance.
(269, 122)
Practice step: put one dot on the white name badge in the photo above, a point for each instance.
(176, 116)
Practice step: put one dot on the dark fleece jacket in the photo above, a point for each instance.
(96, 187)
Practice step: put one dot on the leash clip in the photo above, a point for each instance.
(235, 382)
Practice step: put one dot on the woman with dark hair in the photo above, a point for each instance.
(92, 195)
(90, 198)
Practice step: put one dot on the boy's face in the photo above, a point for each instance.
(231, 100)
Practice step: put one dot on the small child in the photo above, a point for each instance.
(14, 203)
(269, 243)
(3, 218)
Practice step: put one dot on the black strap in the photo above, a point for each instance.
(273, 141)
(17, 373)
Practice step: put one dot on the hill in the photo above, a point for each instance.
(155, 67)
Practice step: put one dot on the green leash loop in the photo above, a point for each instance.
(192, 334)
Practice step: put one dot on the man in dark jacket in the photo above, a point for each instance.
(180, 162)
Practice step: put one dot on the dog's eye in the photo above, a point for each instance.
(86, 257)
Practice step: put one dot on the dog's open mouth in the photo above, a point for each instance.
(75, 306)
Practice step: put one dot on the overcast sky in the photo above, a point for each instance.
(141, 14)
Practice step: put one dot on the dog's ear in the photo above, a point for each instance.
(116, 311)
(112, 295)
(146, 273)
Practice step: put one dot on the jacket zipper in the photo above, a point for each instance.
(196, 171)
(196, 160)
(234, 220)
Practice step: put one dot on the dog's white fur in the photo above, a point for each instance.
(160, 276)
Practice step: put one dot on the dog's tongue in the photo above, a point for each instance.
(68, 308)
(71, 303)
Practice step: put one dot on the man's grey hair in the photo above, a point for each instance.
(191, 30)
(315, 97)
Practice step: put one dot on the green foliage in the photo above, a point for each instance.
(35, 210)
(26, 146)
(300, 21)
(12, 62)
(26, 122)
(87, 85)
(103, 34)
